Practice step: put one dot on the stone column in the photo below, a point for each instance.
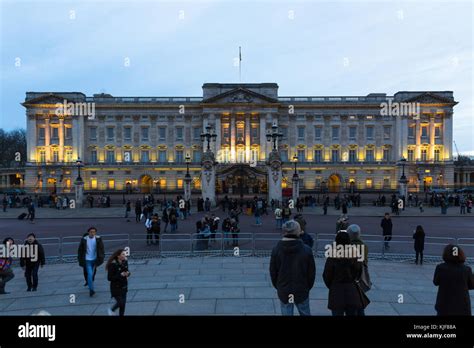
(47, 138)
(418, 140)
(232, 139)
(274, 176)
(61, 139)
(79, 192)
(208, 177)
(218, 129)
(448, 136)
(187, 187)
(247, 138)
(296, 187)
(404, 138)
(75, 139)
(432, 138)
(263, 139)
(398, 137)
(31, 139)
(81, 137)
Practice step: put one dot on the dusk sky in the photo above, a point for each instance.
(337, 48)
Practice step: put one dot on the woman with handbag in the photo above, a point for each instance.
(341, 276)
(117, 274)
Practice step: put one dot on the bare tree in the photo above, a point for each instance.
(12, 148)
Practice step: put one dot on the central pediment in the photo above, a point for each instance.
(240, 95)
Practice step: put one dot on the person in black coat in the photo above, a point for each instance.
(340, 275)
(90, 255)
(454, 280)
(292, 270)
(386, 225)
(30, 265)
(117, 275)
(419, 237)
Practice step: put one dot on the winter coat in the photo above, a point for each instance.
(454, 281)
(419, 238)
(386, 225)
(28, 262)
(292, 269)
(339, 276)
(82, 250)
(118, 283)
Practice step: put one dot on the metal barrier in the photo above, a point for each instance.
(51, 247)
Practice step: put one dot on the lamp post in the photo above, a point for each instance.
(296, 180)
(403, 189)
(274, 135)
(79, 185)
(209, 135)
(187, 179)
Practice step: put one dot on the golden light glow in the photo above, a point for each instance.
(368, 183)
(111, 184)
(162, 183)
(179, 183)
(93, 184)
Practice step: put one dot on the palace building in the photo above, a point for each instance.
(141, 143)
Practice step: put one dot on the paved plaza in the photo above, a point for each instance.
(208, 286)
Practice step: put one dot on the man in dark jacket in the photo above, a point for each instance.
(31, 265)
(386, 225)
(292, 270)
(91, 254)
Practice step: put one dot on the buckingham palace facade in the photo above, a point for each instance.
(141, 144)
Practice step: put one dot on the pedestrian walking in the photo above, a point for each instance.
(341, 274)
(165, 218)
(128, 209)
(278, 217)
(257, 214)
(152, 225)
(31, 212)
(292, 271)
(342, 223)
(30, 265)
(91, 254)
(387, 226)
(419, 237)
(117, 275)
(6, 271)
(454, 280)
(4, 203)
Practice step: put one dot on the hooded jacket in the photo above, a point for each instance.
(292, 269)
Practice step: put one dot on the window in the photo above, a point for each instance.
(93, 133)
(225, 155)
(424, 131)
(41, 133)
(335, 133)
(284, 131)
(179, 183)
(369, 132)
(196, 156)
(127, 133)
(423, 154)
(110, 133)
(254, 156)
(42, 156)
(94, 156)
(226, 134)
(179, 156)
(386, 155)
(68, 156)
(318, 158)
(386, 183)
(387, 131)
(436, 155)
(410, 155)
(110, 156)
(162, 183)
(93, 184)
(335, 155)
(240, 155)
(284, 155)
(68, 133)
(369, 155)
(145, 156)
(352, 133)
(437, 132)
(111, 184)
(300, 132)
(55, 156)
(55, 133)
(352, 156)
(254, 135)
(240, 134)
(411, 131)
(368, 183)
(317, 132)
(179, 133)
(162, 156)
(162, 133)
(145, 133)
(127, 156)
(196, 133)
(301, 156)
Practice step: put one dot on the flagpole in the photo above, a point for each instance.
(240, 63)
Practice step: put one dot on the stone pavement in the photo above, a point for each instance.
(366, 210)
(212, 285)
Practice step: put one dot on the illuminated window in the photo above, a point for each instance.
(197, 184)
(436, 154)
(423, 155)
(410, 155)
(179, 183)
(226, 134)
(368, 183)
(111, 184)
(68, 156)
(55, 156)
(68, 183)
(162, 183)
(93, 184)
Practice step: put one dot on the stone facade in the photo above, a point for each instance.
(140, 143)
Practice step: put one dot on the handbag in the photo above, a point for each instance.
(365, 301)
(364, 282)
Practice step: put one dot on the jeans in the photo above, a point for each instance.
(258, 220)
(31, 274)
(174, 227)
(303, 308)
(278, 223)
(350, 312)
(90, 268)
(120, 304)
(420, 254)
